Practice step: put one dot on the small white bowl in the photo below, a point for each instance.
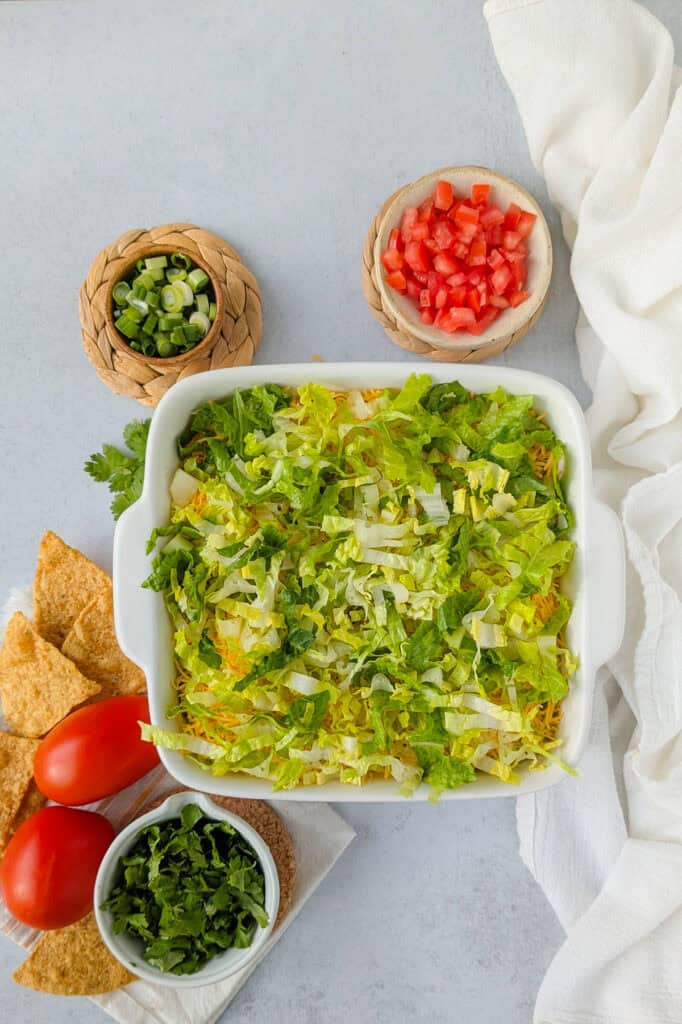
(129, 950)
(512, 323)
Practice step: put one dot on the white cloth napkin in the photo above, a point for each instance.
(598, 94)
(319, 835)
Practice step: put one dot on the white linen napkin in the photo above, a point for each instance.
(599, 98)
(319, 835)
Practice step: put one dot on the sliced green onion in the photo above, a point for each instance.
(171, 299)
(178, 337)
(202, 303)
(197, 279)
(128, 327)
(201, 321)
(158, 274)
(120, 292)
(155, 262)
(183, 289)
(149, 326)
(153, 299)
(192, 333)
(140, 305)
(166, 348)
(140, 264)
(178, 259)
(134, 314)
(176, 274)
(170, 320)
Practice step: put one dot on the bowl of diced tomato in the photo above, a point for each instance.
(464, 259)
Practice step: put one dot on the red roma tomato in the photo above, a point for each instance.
(48, 871)
(95, 751)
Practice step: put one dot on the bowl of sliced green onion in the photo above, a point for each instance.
(165, 305)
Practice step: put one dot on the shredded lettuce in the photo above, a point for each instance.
(367, 585)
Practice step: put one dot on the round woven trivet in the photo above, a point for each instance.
(259, 815)
(148, 380)
(397, 334)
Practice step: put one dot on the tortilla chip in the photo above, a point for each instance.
(32, 802)
(64, 583)
(92, 647)
(38, 685)
(16, 775)
(73, 961)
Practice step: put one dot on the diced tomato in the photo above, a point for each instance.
(444, 263)
(413, 288)
(458, 295)
(479, 194)
(477, 253)
(510, 239)
(525, 223)
(426, 210)
(441, 298)
(474, 300)
(491, 216)
(460, 261)
(444, 195)
(394, 239)
(392, 259)
(499, 279)
(444, 234)
(457, 317)
(417, 257)
(420, 231)
(466, 214)
(410, 218)
(397, 280)
(511, 217)
(496, 259)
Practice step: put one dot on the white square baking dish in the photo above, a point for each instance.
(596, 582)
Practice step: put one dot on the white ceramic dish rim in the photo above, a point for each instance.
(227, 963)
(596, 582)
(540, 258)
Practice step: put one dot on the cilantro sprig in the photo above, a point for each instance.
(123, 471)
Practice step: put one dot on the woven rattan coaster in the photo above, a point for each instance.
(233, 344)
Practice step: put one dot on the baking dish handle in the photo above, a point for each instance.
(131, 568)
(605, 565)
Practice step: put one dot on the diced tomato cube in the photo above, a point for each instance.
(460, 250)
(499, 301)
(466, 214)
(458, 295)
(394, 239)
(443, 234)
(496, 259)
(516, 298)
(491, 216)
(417, 257)
(474, 300)
(474, 277)
(441, 299)
(426, 210)
(434, 281)
(525, 223)
(482, 290)
(510, 239)
(410, 218)
(392, 259)
(499, 279)
(456, 318)
(397, 280)
(479, 194)
(511, 217)
(467, 232)
(456, 279)
(493, 236)
(488, 315)
(420, 231)
(424, 297)
(514, 256)
(477, 253)
(444, 195)
(426, 316)
(444, 263)
(431, 244)
(421, 277)
(413, 288)
(518, 270)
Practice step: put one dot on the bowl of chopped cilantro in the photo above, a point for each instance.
(164, 304)
(187, 894)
